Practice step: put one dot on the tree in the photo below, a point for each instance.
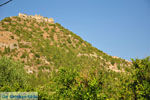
(12, 76)
(141, 79)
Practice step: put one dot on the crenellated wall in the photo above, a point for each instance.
(37, 17)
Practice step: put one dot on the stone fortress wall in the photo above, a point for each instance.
(37, 17)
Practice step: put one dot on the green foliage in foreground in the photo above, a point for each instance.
(70, 83)
(141, 79)
(12, 76)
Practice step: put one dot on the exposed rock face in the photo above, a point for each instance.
(11, 45)
(37, 17)
(88, 55)
(8, 40)
(115, 57)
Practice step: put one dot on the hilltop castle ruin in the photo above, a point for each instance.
(37, 17)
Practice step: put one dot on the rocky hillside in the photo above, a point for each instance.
(47, 46)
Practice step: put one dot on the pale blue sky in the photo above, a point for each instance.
(117, 27)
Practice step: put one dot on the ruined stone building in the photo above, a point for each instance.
(37, 17)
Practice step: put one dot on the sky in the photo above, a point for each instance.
(117, 27)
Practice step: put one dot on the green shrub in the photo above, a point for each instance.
(37, 55)
(15, 45)
(46, 29)
(12, 37)
(69, 40)
(112, 62)
(53, 30)
(141, 77)
(7, 50)
(7, 19)
(12, 76)
(24, 55)
(38, 61)
(118, 67)
(23, 45)
(43, 67)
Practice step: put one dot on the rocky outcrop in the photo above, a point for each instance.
(8, 40)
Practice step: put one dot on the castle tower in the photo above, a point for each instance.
(51, 20)
(22, 15)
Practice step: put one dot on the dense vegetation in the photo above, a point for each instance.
(58, 64)
(12, 76)
(67, 83)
